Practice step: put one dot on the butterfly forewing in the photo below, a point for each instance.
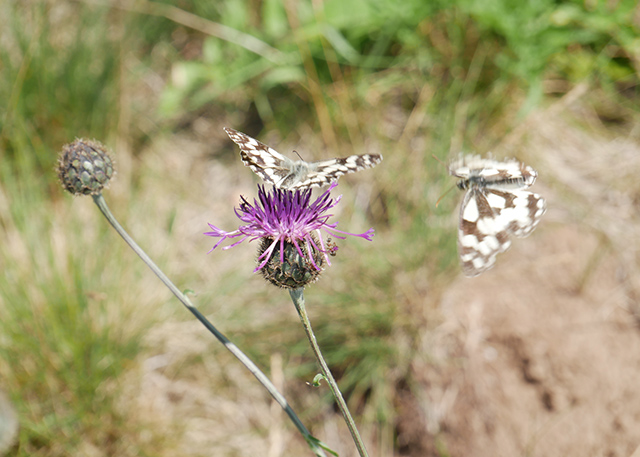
(264, 161)
(285, 173)
(495, 207)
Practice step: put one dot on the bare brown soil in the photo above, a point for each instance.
(541, 355)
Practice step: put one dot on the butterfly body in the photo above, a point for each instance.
(285, 173)
(495, 206)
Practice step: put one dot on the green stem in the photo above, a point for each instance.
(297, 296)
(314, 443)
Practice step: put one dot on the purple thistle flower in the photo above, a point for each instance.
(291, 227)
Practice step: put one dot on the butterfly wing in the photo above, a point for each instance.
(325, 172)
(482, 234)
(507, 174)
(518, 210)
(488, 217)
(265, 161)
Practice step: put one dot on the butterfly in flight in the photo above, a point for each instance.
(495, 206)
(285, 173)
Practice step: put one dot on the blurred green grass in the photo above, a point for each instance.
(410, 80)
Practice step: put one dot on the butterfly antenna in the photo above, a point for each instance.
(436, 157)
(298, 155)
(442, 196)
(450, 188)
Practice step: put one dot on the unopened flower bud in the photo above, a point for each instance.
(84, 167)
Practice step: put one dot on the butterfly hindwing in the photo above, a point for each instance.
(481, 235)
(519, 210)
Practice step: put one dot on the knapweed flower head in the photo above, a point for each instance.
(292, 251)
(84, 167)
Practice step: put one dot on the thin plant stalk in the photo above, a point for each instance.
(195, 22)
(297, 295)
(313, 442)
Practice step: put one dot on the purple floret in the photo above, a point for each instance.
(284, 215)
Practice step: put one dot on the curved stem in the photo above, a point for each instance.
(297, 296)
(314, 443)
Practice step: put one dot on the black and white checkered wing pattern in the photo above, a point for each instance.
(285, 173)
(326, 171)
(266, 162)
(495, 207)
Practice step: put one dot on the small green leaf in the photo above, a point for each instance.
(317, 379)
(315, 443)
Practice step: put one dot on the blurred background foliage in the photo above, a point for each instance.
(407, 79)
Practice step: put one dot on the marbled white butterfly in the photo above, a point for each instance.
(495, 206)
(285, 173)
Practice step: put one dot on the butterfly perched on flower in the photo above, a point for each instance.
(495, 207)
(285, 173)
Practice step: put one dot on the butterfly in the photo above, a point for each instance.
(285, 173)
(495, 206)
